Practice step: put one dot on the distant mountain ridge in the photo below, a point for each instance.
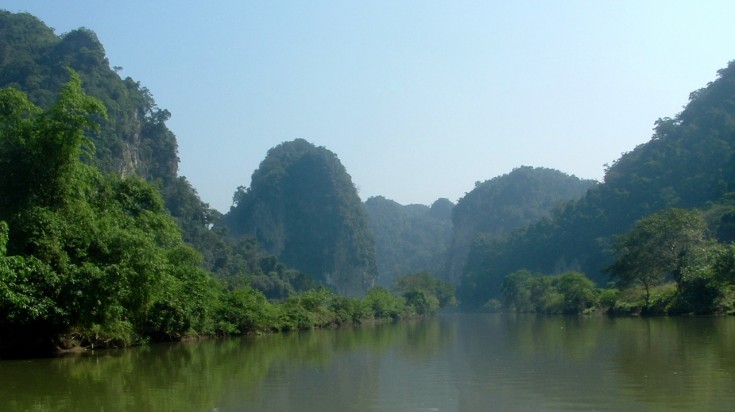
(410, 238)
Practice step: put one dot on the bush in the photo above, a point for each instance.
(384, 305)
(492, 306)
(608, 297)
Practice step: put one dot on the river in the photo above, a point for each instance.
(446, 363)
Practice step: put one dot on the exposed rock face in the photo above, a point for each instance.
(134, 139)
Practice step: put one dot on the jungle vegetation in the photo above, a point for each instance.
(658, 230)
(103, 244)
(410, 238)
(303, 208)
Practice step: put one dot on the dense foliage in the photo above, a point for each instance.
(90, 253)
(85, 254)
(568, 293)
(303, 208)
(134, 140)
(409, 239)
(668, 263)
(499, 206)
(688, 163)
(425, 293)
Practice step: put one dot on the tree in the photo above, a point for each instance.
(84, 254)
(425, 293)
(384, 304)
(578, 290)
(517, 291)
(659, 247)
(568, 293)
(39, 151)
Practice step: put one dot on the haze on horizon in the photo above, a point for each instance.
(418, 99)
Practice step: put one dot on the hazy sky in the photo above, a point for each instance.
(419, 99)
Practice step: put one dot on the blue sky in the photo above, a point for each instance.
(419, 99)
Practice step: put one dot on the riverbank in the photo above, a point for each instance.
(245, 312)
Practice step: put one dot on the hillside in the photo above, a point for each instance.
(97, 228)
(302, 207)
(687, 163)
(497, 207)
(134, 139)
(410, 238)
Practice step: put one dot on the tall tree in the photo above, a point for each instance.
(659, 247)
(87, 254)
(40, 150)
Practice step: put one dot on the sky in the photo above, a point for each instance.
(418, 99)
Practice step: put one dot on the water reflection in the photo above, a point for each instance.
(684, 364)
(449, 363)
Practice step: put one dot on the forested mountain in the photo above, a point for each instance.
(132, 140)
(410, 238)
(97, 229)
(302, 207)
(496, 207)
(688, 163)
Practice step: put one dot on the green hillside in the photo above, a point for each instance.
(302, 207)
(409, 239)
(687, 163)
(497, 207)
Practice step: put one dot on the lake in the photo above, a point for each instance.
(446, 363)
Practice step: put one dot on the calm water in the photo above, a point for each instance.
(449, 363)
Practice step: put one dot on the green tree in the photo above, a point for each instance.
(568, 293)
(516, 288)
(86, 255)
(424, 293)
(384, 305)
(39, 151)
(659, 247)
(579, 291)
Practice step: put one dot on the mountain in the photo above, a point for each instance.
(409, 239)
(688, 163)
(302, 207)
(496, 207)
(134, 139)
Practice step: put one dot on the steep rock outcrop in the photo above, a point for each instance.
(302, 207)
